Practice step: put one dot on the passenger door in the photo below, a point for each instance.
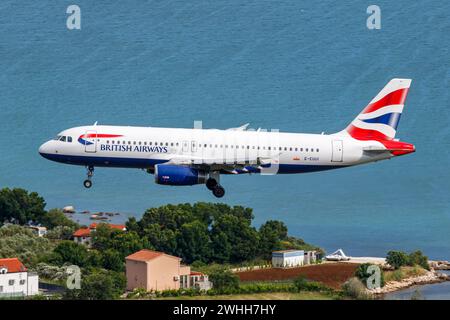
(90, 141)
(337, 151)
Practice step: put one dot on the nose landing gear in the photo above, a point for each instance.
(90, 172)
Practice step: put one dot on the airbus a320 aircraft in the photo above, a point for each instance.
(181, 157)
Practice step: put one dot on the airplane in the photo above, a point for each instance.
(181, 157)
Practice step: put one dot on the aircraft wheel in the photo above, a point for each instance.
(87, 184)
(211, 183)
(218, 191)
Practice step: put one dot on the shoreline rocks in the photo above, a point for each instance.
(429, 278)
(440, 265)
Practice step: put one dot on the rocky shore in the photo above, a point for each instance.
(430, 277)
(440, 265)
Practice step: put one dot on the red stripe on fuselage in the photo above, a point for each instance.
(101, 135)
(395, 97)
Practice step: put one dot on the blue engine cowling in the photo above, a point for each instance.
(178, 175)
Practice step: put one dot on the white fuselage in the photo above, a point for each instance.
(144, 147)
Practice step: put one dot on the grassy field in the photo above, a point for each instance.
(262, 296)
(403, 273)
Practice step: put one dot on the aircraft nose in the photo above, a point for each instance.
(44, 149)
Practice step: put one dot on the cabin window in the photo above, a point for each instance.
(317, 150)
(290, 149)
(171, 144)
(306, 149)
(301, 149)
(167, 144)
(11, 282)
(205, 145)
(269, 148)
(296, 149)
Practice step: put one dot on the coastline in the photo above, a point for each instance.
(431, 277)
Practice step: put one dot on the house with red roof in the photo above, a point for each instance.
(16, 280)
(158, 271)
(84, 235)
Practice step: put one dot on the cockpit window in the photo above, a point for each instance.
(57, 138)
(69, 139)
(63, 139)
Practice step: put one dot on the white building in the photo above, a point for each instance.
(15, 280)
(39, 231)
(288, 258)
(311, 257)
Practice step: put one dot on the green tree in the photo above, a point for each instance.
(70, 252)
(19, 205)
(161, 238)
(55, 217)
(241, 237)
(112, 260)
(270, 234)
(397, 259)
(193, 242)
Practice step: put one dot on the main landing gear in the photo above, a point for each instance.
(217, 190)
(90, 172)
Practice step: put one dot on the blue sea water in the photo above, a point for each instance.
(300, 66)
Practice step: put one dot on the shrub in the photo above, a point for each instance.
(60, 233)
(417, 258)
(224, 279)
(99, 285)
(302, 284)
(355, 289)
(49, 272)
(21, 242)
(397, 259)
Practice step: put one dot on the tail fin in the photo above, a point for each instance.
(379, 119)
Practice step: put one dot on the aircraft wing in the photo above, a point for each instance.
(234, 166)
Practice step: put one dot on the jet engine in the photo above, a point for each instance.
(173, 175)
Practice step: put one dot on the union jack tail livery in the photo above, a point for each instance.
(379, 119)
